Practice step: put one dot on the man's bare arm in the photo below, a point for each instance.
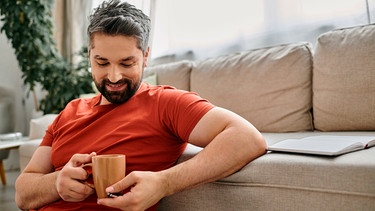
(36, 184)
(229, 142)
(39, 184)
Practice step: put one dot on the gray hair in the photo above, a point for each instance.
(120, 18)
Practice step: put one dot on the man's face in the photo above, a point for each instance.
(117, 66)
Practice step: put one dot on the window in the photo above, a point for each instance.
(210, 27)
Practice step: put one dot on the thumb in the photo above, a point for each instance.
(121, 185)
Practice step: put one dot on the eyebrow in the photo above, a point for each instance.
(122, 60)
(100, 58)
(128, 58)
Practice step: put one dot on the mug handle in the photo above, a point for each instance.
(88, 168)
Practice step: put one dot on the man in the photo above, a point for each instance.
(151, 125)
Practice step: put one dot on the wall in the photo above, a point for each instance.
(22, 106)
(10, 78)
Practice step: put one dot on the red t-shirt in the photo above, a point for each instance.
(151, 129)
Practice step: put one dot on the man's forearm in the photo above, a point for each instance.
(217, 160)
(34, 190)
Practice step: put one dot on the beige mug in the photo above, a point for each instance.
(106, 170)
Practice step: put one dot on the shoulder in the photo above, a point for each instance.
(168, 97)
(147, 88)
(164, 91)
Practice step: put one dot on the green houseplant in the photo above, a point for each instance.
(29, 26)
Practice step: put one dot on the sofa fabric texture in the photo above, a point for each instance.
(270, 87)
(174, 74)
(282, 181)
(38, 126)
(344, 80)
(286, 91)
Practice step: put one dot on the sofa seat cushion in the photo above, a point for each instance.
(344, 80)
(289, 181)
(350, 173)
(270, 87)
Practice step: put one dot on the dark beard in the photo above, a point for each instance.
(118, 97)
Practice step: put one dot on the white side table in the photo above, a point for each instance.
(11, 144)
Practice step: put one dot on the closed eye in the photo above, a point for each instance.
(103, 64)
(127, 65)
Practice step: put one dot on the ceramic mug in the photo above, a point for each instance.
(106, 170)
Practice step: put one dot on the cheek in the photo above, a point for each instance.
(97, 75)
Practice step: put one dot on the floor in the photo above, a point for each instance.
(7, 192)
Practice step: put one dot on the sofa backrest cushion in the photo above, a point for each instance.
(344, 80)
(175, 74)
(270, 87)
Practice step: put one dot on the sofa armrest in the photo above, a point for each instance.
(26, 151)
(38, 129)
(39, 126)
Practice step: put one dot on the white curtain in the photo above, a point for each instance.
(71, 21)
(205, 28)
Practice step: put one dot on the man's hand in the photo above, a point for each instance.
(146, 189)
(68, 183)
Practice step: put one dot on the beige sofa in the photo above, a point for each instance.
(287, 91)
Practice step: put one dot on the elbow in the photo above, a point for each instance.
(21, 205)
(18, 197)
(258, 145)
(261, 145)
(20, 200)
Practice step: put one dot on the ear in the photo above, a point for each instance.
(146, 57)
(88, 54)
(89, 47)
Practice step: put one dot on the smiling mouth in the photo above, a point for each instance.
(115, 87)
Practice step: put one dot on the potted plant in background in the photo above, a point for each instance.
(29, 26)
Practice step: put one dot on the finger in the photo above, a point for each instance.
(89, 184)
(77, 173)
(82, 190)
(75, 191)
(80, 159)
(113, 202)
(123, 184)
(128, 201)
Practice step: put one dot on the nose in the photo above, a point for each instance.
(114, 75)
